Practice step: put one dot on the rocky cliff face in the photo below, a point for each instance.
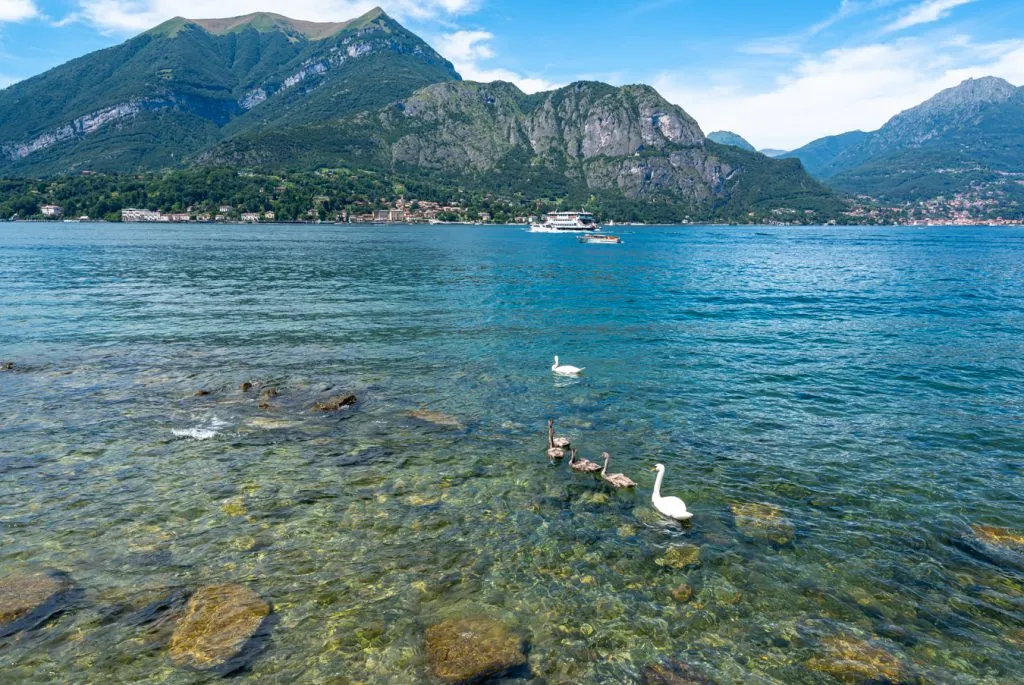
(627, 139)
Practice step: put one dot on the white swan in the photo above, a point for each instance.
(565, 370)
(673, 507)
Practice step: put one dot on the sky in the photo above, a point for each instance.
(779, 73)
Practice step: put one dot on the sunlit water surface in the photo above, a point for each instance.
(866, 382)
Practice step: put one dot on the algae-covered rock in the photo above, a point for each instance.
(201, 392)
(436, 418)
(763, 522)
(218, 623)
(246, 386)
(682, 593)
(28, 600)
(680, 556)
(673, 673)
(6, 366)
(469, 649)
(335, 403)
(1003, 538)
(850, 659)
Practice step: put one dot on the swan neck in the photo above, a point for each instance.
(657, 485)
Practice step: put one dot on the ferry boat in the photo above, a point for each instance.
(603, 239)
(567, 222)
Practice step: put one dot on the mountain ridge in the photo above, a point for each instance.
(961, 137)
(262, 91)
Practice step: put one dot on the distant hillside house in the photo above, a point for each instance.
(269, 216)
(180, 217)
(250, 217)
(51, 211)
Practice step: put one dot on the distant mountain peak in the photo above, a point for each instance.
(730, 138)
(266, 22)
(975, 90)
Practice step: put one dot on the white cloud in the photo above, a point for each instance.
(843, 89)
(925, 13)
(466, 49)
(132, 16)
(17, 10)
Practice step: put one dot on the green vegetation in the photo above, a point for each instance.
(730, 138)
(329, 192)
(180, 89)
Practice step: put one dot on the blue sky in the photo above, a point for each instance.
(779, 73)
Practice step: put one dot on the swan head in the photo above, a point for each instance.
(606, 456)
(556, 362)
(660, 468)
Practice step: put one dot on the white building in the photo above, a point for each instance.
(51, 211)
(142, 215)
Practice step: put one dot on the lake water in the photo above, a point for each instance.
(866, 384)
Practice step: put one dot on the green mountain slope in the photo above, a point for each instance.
(586, 137)
(967, 139)
(730, 138)
(185, 84)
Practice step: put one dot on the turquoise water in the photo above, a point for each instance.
(866, 383)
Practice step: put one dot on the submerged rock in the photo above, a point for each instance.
(219, 623)
(680, 556)
(269, 393)
(469, 649)
(6, 366)
(246, 386)
(673, 673)
(335, 403)
(682, 593)
(1003, 538)
(29, 600)
(436, 418)
(763, 522)
(850, 659)
(202, 392)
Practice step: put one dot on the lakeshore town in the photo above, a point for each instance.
(956, 211)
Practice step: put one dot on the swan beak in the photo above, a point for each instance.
(654, 468)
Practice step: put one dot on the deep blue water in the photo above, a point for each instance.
(866, 384)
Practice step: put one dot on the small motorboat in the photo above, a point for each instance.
(599, 239)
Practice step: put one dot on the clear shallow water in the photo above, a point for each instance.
(866, 382)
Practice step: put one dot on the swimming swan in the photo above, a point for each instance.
(673, 507)
(617, 480)
(555, 440)
(565, 370)
(581, 465)
(554, 452)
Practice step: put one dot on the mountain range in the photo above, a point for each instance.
(271, 94)
(967, 139)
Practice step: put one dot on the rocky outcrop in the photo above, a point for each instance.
(627, 139)
(220, 622)
(29, 600)
(335, 403)
(471, 649)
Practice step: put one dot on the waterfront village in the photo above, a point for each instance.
(960, 210)
(401, 212)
